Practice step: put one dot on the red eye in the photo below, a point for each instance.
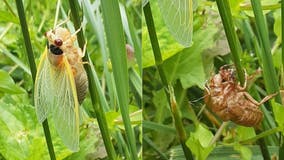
(58, 42)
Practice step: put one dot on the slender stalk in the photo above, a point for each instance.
(159, 63)
(234, 43)
(269, 74)
(32, 64)
(236, 50)
(116, 44)
(92, 85)
(264, 7)
(282, 29)
(261, 135)
(148, 141)
(218, 133)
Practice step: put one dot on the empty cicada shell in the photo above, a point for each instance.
(227, 99)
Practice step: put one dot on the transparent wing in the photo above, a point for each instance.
(66, 111)
(178, 17)
(43, 95)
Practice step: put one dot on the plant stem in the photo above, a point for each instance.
(218, 133)
(116, 45)
(261, 135)
(269, 74)
(236, 50)
(32, 64)
(92, 86)
(159, 63)
(148, 141)
(282, 33)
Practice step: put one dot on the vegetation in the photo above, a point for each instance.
(177, 47)
(224, 32)
(110, 116)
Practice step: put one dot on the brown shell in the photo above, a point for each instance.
(228, 100)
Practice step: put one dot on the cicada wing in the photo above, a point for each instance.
(66, 112)
(44, 92)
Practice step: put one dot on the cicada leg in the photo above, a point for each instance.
(251, 99)
(63, 22)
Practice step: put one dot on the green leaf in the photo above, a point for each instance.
(187, 65)
(278, 111)
(263, 3)
(246, 153)
(235, 6)
(198, 142)
(114, 118)
(161, 105)
(277, 26)
(178, 17)
(245, 132)
(18, 127)
(8, 17)
(7, 85)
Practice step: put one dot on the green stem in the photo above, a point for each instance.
(269, 74)
(159, 63)
(92, 86)
(236, 50)
(282, 29)
(32, 64)
(116, 45)
(148, 141)
(261, 135)
(264, 7)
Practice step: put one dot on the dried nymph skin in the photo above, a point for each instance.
(230, 101)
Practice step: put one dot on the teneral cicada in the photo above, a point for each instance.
(61, 85)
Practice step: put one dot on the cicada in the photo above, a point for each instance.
(230, 101)
(61, 85)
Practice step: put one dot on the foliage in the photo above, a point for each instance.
(187, 69)
(18, 121)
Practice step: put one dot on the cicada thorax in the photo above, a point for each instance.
(61, 45)
(217, 92)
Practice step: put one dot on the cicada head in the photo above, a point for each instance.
(58, 40)
(228, 73)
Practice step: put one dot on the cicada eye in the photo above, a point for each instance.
(58, 42)
(55, 50)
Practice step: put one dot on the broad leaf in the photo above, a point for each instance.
(198, 142)
(187, 65)
(7, 85)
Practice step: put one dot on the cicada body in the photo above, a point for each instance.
(228, 100)
(243, 111)
(61, 85)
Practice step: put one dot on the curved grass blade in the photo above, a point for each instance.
(178, 17)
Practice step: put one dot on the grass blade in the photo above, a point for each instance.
(159, 63)
(92, 84)
(32, 64)
(116, 44)
(234, 44)
(269, 74)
